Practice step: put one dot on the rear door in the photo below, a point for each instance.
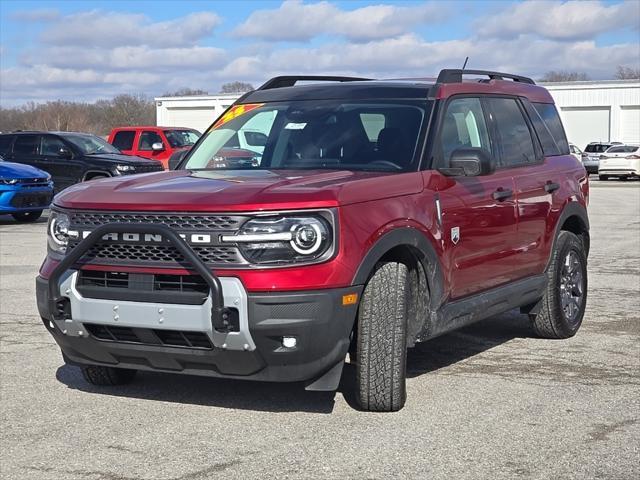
(478, 214)
(537, 180)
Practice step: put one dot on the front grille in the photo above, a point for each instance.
(174, 220)
(147, 168)
(142, 282)
(148, 336)
(30, 200)
(114, 252)
(132, 254)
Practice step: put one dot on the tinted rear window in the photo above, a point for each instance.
(5, 143)
(549, 115)
(623, 149)
(124, 140)
(26, 145)
(597, 147)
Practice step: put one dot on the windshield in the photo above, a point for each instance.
(182, 138)
(90, 144)
(328, 134)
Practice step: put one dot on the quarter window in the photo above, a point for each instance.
(463, 127)
(549, 115)
(5, 143)
(513, 137)
(124, 140)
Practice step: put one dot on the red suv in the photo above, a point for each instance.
(379, 214)
(156, 143)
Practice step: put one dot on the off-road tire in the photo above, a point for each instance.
(27, 216)
(603, 177)
(381, 353)
(97, 375)
(552, 321)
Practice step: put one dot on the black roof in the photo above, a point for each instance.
(353, 90)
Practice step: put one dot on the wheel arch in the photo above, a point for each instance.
(574, 219)
(409, 246)
(90, 174)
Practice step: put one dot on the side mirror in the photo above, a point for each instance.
(64, 152)
(256, 139)
(469, 162)
(157, 147)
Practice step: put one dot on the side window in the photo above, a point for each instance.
(147, 139)
(513, 137)
(549, 145)
(463, 126)
(124, 140)
(51, 146)
(373, 123)
(5, 143)
(26, 145)
(549, 115)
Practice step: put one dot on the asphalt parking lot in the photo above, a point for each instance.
(489, 401)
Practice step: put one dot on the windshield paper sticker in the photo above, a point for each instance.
(234, 112)
(295, 126)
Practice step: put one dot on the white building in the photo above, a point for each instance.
(197, 112)
(592, 111)
(607, 110)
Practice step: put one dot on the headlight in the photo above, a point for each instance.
(125, 168)
(8, 181)
(58, 232)
(279, 240)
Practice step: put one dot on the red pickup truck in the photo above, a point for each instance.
(156, 143)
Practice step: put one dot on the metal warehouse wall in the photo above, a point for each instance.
(591, 111)
(599, 110)
(197, 112)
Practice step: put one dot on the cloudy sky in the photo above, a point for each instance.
(93, 49)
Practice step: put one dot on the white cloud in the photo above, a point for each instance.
(37, 15)
(112, 29)
(295, 20)
(573, 20)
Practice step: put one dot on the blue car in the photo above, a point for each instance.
(24, 191)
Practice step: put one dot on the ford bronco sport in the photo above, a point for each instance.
(379, 214)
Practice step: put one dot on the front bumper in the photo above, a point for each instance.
(318, 320)
(20, 199)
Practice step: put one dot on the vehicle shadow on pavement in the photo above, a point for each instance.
(426, 357)
(8, 220)
(441, 352)
(207, 391)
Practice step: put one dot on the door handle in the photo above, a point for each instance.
(502, 194)
(551, 187)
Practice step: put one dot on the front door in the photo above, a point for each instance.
(64, 170)
(478, 215)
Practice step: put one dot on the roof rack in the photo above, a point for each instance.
(455, 76)
(291, 80)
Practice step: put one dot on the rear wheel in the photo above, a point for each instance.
(565, 298)
(98, 375)
(27, 216)
(381, 353)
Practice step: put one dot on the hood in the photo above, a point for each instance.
(19, 170)
(237, 190)
(120, 158)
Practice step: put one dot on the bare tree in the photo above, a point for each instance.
(623, 72)
(186, 92)
(236, 87)
(564, 76)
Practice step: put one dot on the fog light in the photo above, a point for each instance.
(289, 342)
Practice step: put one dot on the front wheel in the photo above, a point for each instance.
(565, 298)
(27, 216)
(381, 347)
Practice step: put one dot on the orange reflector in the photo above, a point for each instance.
(349, 299)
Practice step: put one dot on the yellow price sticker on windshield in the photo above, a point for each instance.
(234, 112)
